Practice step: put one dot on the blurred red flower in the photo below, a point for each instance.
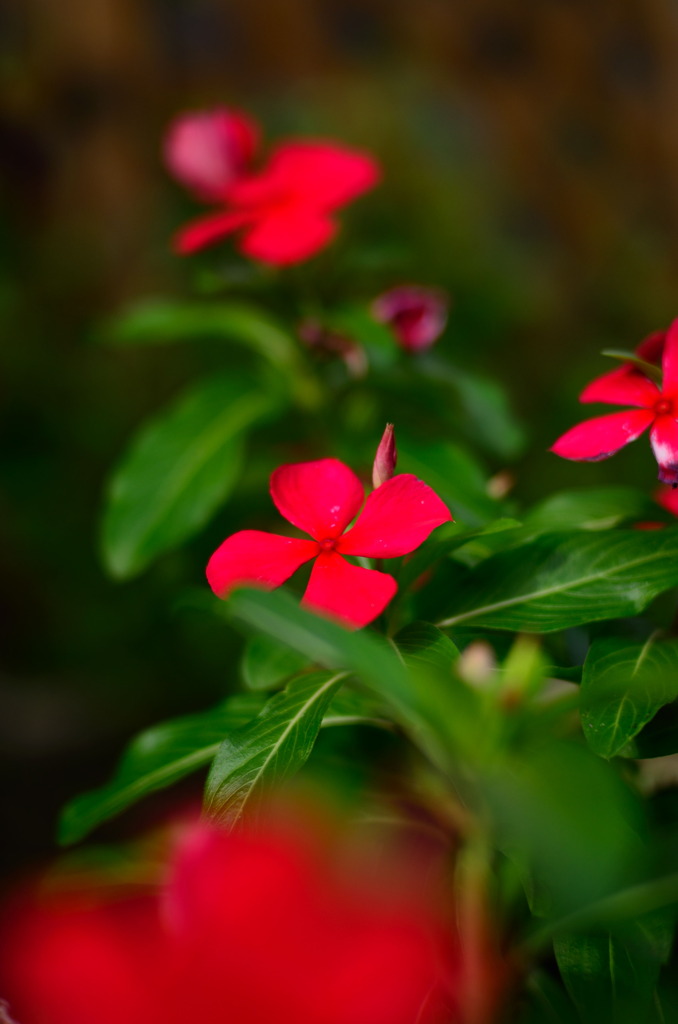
(416, 315)
(321, 498)
(246, 929)
(657, 408)
(284, 211)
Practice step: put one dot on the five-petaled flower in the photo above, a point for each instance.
(321, 498)
(656, 408)
(245, 929)
(416, 315)
(285, 210)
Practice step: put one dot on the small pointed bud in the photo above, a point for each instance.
(385, 459)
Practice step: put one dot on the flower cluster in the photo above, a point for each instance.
(653, 407)
(284, 211)
(322, 498)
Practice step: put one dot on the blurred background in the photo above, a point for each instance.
(530, 154)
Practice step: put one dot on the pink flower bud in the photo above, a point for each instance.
(386, 458)
(207, 151)
(416, 315)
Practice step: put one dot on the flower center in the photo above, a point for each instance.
(327, 544)
(663, 407)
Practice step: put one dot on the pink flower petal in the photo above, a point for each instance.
(258, 558)
(601, 437)
(319, 497)
(208, 150)
(348, 592)
(318, 176)
(670, 361)
(397, 518)
(623, 386)
(286, 235)
(207, 230)
(664, 439)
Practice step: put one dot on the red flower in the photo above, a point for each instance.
(603, 436)
(246, 930)
(321, 498)
(208, 151)
(285, 210)
(416, 315)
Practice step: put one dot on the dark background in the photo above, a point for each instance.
(531, 161)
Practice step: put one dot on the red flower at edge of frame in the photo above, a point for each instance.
(321, 498)
(247, 928)
(656, 408)
(284, 211)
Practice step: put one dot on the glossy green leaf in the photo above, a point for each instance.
(178, 470)
(266, 665)
(560, 580)
(597, 508)
(156, 759)
(611, 976)
(278, 615)
(623, 686)
(376, 662)
(422, 643)
(275, 745)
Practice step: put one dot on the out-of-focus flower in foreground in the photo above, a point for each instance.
(321, 498)
(245, 929)
(284, 212)
(416, 315)
(207, 151)
(656, 408)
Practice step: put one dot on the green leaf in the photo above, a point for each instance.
(453, 474)
(590, 509)
(611, 976)
(352, 707)
(369, 656)
(566, 815)
(561, 580)
(486, 413)
(160, 321)
(253, 760)
(266, 665)
(623, 686)
(423, 643)
(548, 1001)
(374, 660)
(178, 470)
(156, 759)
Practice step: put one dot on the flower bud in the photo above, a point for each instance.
(416, 315)
(385, 459)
